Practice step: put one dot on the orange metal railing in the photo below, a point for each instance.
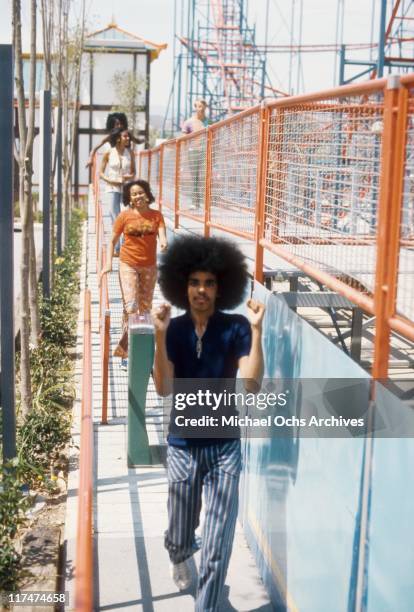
(324, 181)
(84, 544)
(145, 165)
(168, 176)
(154, 171)
(104, 310)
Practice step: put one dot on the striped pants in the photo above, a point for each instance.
(214, 470)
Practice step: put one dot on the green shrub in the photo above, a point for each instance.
(45, 432)
(42, 436)
(13, 505)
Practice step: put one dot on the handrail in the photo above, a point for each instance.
(347, 146)
(105, 326)
(84, 543)
(104, 310)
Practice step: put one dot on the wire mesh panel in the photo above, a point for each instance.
(155, 173)
(322, 183)
(405, 284)
(168, 175)
(144, 165)
(193, 158)
(235, 155)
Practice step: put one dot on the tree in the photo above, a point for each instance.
(29, 310)
(70, 81)
(48, 31)
(129, 89)
(67, 84)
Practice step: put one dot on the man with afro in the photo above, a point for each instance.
(204, 276)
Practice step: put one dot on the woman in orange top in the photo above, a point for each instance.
(140, 226)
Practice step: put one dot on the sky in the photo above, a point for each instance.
(154, 20)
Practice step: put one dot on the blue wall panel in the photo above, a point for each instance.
(390, 565)
(300, 497)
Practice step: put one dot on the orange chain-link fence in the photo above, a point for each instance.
(325, 181)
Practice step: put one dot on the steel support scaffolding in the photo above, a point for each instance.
(216, 59)
(394, 48)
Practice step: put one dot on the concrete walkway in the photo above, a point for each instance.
(130, 505)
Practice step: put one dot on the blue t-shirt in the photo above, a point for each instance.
(227, 338)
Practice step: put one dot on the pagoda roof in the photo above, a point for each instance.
(114, 37)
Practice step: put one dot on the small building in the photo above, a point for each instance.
(107, 52)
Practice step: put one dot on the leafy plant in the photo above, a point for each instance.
(13, 505)
(44, 433)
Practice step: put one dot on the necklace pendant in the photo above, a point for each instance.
(199, 348)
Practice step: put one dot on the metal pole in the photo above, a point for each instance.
(160, 177)
(389, 218)
(147, 99)
(339, 36)
(299, 55)
(59, 183)
(177, 184)
(207, 192)
(371, 38)
(342, 65)
(261, 191)
(292, 39)
(45, 156)
(187, 83)
(7, 254)
(174, 63)
(381, 42)
(178, 118)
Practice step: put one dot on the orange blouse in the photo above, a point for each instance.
(140, 231)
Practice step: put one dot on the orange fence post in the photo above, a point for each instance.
(84, 548)
(278, 175)
(105, 364)
(105, 326)
(95, 191)
(160, 177)
(261, 191)
(207, 196)
(389, 214)
(98, 238)
(177, 184)
(149, 165)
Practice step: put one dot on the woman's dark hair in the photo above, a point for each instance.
(190, 254)
(141, 183)
(112, 118)
(114, 136)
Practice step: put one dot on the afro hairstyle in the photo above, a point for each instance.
(188, 254)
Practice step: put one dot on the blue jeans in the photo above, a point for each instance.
(216, 469)
(113, 208)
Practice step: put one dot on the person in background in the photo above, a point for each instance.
(140, 225)
(196, 153)
(198, 120)
(113, 121)
(204, 276)
(117, 167)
